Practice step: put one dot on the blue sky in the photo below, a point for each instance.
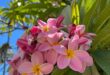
(15, 35)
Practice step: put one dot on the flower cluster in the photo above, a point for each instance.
(48, 45)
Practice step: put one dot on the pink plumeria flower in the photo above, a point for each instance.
(27, 43)
(17, 58)
(71, 29)
(15, 63)
(47, 27)
(76, 59)
(47, 47)
(41, 38)
(85, 38)
(36, 66)
(13, 72)
(57, 22)
(80, 30)
(52, 24)
(85, 43)
(35, 30)
(52, 40)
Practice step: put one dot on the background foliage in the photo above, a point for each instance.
(95, 14)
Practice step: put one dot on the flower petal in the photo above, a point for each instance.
(46, 68)
(37, 58)
(90, 35)
(83, 67)
(60, 49)
(22, 42)
(80, 29)
(52, 29)
(11, 71)
(84, 47)
(42, 37)
(83, 40)
(85, 57)
(64, 42)
(73, 43)
(59, 21)
(62, 61)
(51, 56)
(40, 73)
(25, 67)
(76, 64)
(41, 23)
(35, 30)
(54, 37)
(44, 47)
(51, 21)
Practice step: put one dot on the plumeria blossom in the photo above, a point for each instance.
(76, 59)
(51, 22)
(47, 45)
(47, 27)
(52, 26)
(79, 30)
(35, 30)
(36, 66)
(14, 63)
(27, 43)
(52, 40)
(85, 38)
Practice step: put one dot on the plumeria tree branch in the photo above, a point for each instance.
(11, 30)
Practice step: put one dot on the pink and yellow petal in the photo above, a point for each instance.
(46, 68)
(60, 49)
(63, 62)
(54, 37)
(25, 67)
(73, 43)
(37, 58)
(41, 23)
(80, 29)
(76, 64)
(44, 47)
(51, 21)
(51, 56)
(85, 57)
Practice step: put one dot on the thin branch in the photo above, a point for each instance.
(3, 22)
(11, 30)
(4, 67)
(5, 52)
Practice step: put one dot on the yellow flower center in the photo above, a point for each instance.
(70, 53)
(46, 28)
(55, 43)
(36, 69)
(24, 74)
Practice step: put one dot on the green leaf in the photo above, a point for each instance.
(75, 12)
(71, 72)
(102, 40)
(91, 71)
(100, 19)
(88, 17)
(102, 58)
(66, 12)
(57, 71)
